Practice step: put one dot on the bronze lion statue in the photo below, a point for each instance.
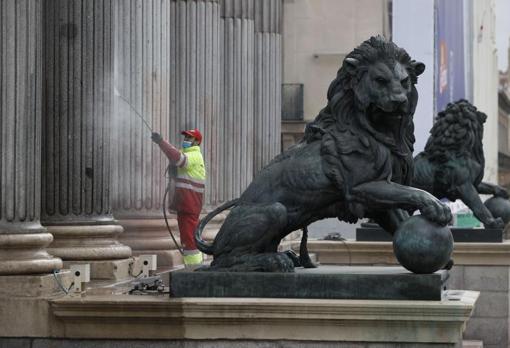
(354, 161)
(452, 164)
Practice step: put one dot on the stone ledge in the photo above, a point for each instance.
(381, 253)
(472, 344)
(160, 317)
(31, 286)
(89, 343)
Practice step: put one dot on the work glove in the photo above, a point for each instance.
(156, 137)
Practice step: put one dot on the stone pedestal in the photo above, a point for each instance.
(77, 107)
(325, 282)
(483, 267)
(251, 322)
(23, 240)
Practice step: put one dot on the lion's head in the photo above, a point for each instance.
(457, 132)
(373, 90)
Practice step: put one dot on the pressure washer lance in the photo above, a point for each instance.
(116, 92)
(168, 170)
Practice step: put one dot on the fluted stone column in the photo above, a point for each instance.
(142, 80)
(23, 240)
(77, 107)
(195, 80)
(268, 80)
(236, 134)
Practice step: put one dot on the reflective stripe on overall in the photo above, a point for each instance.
(191, 170)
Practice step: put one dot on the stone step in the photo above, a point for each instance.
(472, 344)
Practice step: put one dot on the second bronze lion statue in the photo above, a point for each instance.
(452, 164)
(354, 161)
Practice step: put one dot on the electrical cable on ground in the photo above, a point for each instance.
(59, 283)
(343, 240)
(66, 291)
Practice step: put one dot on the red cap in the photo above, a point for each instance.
(195, 133)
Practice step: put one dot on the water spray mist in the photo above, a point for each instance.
(116, 92)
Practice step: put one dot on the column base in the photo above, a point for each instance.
(87, 242)
(25, 253)
(151, 236)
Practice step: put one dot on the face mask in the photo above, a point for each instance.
(186, 144)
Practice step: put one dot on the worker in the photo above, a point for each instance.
(189, 189)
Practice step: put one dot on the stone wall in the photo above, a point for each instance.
(490, 321)
(318, 34)
(484, 267)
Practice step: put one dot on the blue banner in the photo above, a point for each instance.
(449, 67)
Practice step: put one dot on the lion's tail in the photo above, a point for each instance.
(202, 245)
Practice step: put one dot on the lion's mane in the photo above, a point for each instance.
(342, 113)
(457, 133)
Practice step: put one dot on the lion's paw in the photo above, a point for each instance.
(437, 212)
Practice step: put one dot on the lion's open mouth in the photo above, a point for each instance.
(379, 114)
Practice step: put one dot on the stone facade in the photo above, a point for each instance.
(142, 78)
(504, 128)
(268, 81)
(237, 106)
(175, 62)
(61, 163)
(195, 73)
(490, 321)
(251, 108)
(76, 109)
(22, 238)
(318, 34)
